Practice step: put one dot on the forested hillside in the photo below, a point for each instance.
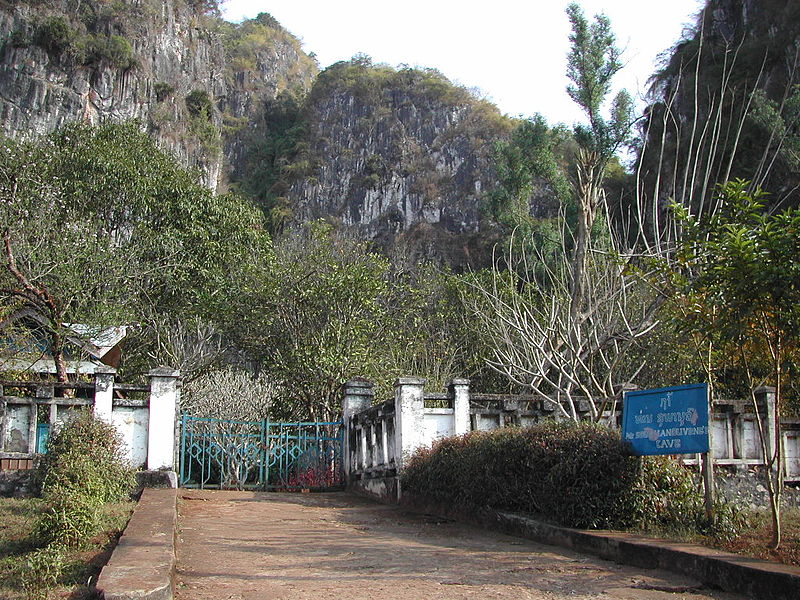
(381, 221)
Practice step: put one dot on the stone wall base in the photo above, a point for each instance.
(18, 483)
(746, 487)
(382, 489)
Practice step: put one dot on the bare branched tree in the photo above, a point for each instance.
(232, 403)
(191, 345)
(228, 393)
(538, 343)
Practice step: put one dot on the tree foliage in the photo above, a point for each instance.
(102, 228)
(313, 316)
(533, 155)
(739, 276)
(592, 62)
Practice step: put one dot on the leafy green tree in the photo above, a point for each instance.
(312, 318)
(592, 62)
(426, 332)
(741, 278)
(100, 227)
(530, 158)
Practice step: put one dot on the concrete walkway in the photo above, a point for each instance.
(257, 546)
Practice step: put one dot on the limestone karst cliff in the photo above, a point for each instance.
(386, 152)
(726, 104)
(194, 81)
(389, 153)
(400, 156)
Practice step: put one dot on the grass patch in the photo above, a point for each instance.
(79, 568)
(754, 539)
(750, 535)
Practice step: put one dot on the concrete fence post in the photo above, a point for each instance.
(409, 403)
(459, 388)
(358, 396)
(104, 393)
(765, 397)
(161, 427)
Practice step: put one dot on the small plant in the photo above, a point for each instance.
(70, 520)
(41, 570)
(162, 90)
(313, 477)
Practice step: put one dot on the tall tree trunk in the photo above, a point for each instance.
(776, 470)
(590, 177)
(57, 349)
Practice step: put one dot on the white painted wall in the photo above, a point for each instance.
(17, 422)
(438, 423)
(486, 422)
(791, 442)
(132, 425)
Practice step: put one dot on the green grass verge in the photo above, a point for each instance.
(75, 571)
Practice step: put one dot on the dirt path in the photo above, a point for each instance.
(255, 546)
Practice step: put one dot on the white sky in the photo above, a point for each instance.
(513, 51)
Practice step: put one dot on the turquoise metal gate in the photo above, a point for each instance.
(260, 455)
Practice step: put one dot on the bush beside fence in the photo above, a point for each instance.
(573, 475)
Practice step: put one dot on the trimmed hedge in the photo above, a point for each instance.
(574, 475)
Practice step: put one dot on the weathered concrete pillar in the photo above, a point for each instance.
(765, 398)
(104, 393)
(358, 395)
(459, 388)
(409, 403)
(161, 427)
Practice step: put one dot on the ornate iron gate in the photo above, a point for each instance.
(260, 455)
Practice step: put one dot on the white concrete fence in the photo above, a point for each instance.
(144, 416)
(380, 437)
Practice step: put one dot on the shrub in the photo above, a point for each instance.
(54, 34)
(83, 469)
(115, 49)
(19, 38)
(70, 520)
(577, 476)
(162, 90)
(199, 104)
(40, 571)
(86, 455)
(665, 495)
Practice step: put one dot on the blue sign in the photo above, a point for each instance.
(670, 420)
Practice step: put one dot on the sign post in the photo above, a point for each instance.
(673, 420)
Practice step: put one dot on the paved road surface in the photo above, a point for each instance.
(264, 546)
